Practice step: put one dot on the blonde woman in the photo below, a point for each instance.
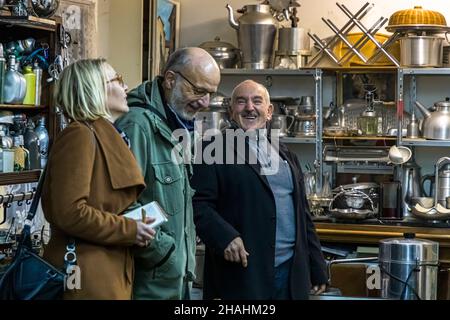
(92, 177)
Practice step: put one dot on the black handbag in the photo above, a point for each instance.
(29, 277)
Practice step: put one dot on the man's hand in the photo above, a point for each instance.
(235, 252)
(318, 289)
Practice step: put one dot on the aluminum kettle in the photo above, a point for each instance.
(256, 31)
(436, 123)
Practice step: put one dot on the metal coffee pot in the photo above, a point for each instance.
(256, 31)
(436, 124)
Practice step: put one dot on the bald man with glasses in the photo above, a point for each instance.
(165, 269)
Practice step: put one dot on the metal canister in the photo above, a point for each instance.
(409, 268)
(38, 90)
(2, 72)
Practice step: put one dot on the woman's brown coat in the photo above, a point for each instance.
(92, 177)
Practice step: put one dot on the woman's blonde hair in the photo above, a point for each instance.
(81, 90)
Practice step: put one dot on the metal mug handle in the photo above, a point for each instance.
(292, 122)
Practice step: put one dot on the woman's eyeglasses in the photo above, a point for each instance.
(200, 92)
(117, 78)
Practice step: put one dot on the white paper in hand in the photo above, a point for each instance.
(150, 210)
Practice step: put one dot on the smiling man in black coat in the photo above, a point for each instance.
(252, 214)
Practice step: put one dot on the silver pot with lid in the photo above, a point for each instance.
(409, 268)
(225, 54)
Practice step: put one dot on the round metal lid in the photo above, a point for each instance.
(445, 103)
(417, 15)
(408, 250)
(418, 27)
(217, 45)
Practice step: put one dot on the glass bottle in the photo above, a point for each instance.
(368, 123)
(21, 155)
(326, 185)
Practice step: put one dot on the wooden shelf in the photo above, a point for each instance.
(19, 177)
(21, 107)
(29, 22)
(372, 234)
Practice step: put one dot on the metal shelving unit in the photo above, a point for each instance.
(410, 74)
(425, 143)
(269, 72)
(299, 140)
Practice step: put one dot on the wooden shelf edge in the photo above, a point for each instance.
(29, 22)
(22, 106)
(9, 178)
(371, 234)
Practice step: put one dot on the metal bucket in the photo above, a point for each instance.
(409, 268)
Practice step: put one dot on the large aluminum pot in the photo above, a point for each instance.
(421, 51)
(225, 54)
(409, 268)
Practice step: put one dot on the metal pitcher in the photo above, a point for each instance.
(411, 187)
(256, 31)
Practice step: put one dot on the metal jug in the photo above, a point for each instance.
(280, 122)
(256, 31)
(15, 84)
(411, 186)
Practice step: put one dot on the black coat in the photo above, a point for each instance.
(235, 200)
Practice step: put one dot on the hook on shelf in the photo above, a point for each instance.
(33, 192)
(10, 200)
(20, 202)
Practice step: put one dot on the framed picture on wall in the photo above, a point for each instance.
(161, 34)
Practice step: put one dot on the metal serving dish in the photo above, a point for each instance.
(352, 214)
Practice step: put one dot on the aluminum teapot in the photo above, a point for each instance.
(436, 123)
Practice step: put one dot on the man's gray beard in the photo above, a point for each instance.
(178, 107)
(182, 113)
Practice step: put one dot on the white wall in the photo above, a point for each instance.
(120, 37)
(202, 20)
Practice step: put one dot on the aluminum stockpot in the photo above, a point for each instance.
(225, 54)
(412, 261)
(421, 51)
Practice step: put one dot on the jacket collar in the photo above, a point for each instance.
(118, 156)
